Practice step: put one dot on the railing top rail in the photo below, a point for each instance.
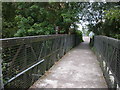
(112, 41)
(108, 52)
(7, 42)
(54, 35)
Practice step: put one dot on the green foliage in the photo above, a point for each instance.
(79, 34)
(117, 36)
(36, 29)
(30, 18)
(111, 26)
(62, 31)
(113, 14)
(87, 33)
(108, 22)
(8, 22)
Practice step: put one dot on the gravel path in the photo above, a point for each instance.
(79, 68)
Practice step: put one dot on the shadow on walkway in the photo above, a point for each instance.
(79, 68)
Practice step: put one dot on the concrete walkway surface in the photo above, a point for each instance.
(79, 68)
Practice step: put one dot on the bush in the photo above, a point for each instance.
(79, 35)
(117, 36)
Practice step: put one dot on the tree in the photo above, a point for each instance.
(103, 18)
(32, 18)
(8, 21)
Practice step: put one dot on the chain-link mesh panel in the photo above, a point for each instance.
(108, 49)
(26, 59)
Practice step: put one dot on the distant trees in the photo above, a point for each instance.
(107, 19)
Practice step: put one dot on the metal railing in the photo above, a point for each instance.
(25, 59)
(108, 52)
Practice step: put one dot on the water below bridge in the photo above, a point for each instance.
(79, 68)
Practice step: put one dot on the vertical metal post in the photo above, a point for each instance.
(1, 76)
(56, 29)
(25, 64)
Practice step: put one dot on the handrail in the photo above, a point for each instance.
(19, 54)
(28, 39)
(108, 52)
(112, 41)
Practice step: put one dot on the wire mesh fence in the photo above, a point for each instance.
(26, 59)
(108, 52)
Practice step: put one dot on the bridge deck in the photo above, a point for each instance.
(79, 68)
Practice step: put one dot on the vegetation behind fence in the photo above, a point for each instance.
(26, 59)
(108, 52)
